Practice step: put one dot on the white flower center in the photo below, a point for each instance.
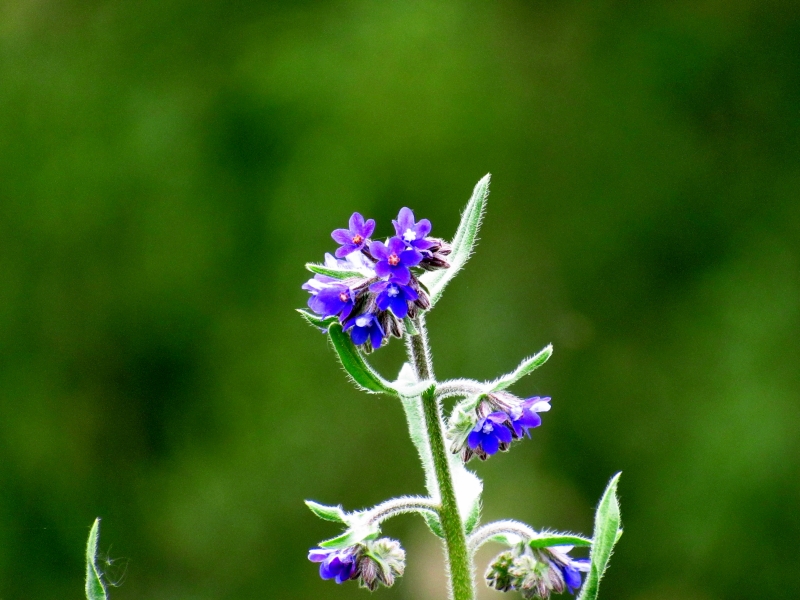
(363, 321)
(487, 427)
(409, 235)
(392, 291)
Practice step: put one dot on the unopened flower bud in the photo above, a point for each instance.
(497, 575)
(380, 562)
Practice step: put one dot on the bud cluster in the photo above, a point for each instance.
(536, 572)
(371, 562)
(386, 289)
(498, 419)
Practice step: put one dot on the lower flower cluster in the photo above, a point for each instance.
(498, 419)
(536, 572)
(383, 287)
(372, 563)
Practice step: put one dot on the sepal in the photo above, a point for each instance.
(463, 242)
(607, 532)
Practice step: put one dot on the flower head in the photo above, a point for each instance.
(333, 299)
(489, 435)
(340, 565)
(394, 259)
(365, 327)
(355, 237)
(536, 572)
(524, 416)
(372, 562)
(393, 296)
(412, 233)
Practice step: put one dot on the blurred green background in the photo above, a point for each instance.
(166, 168)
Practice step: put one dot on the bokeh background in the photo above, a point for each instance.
(166, 168)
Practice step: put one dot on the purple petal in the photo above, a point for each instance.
(474, 439)
(572, 578)
(368, 228)
(422, 244)
(490, 444)
(383, 269)
(405, 220)
(423, 228)
(317, 555)
(379, 250)
(529, 419)
(359, 335)
(379, 286)
(342, 236)
(376, 335)
(343, 251)
(400, 273)
(356, 223)
(497, 417)
(503, 434)
(409, 293)
(398, 305)
(410, 257)
(396, 245)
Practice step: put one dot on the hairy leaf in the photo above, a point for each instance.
(545, 540)
(362, 374)
(463, 243)
(351, 536)
(316, 320)
(606, 533)
(328, 513)
(95, 589)
(527, 366)
(331, 272)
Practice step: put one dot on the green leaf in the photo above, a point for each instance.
(606, 533)
(351, 536)
(336, 273)
(527, 366)
(363, 375)
(316, 320)
(434, 524)
(545, 540)
(328, 513)
(95, 589)
(463, 243)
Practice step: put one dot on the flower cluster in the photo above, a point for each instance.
(536, 572)
(372, 562)
(381, 287)
(498, 419)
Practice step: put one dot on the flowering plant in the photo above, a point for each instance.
(364, 294)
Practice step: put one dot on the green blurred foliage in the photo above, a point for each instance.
(167, 167)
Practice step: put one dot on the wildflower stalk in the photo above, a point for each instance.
(462, 585)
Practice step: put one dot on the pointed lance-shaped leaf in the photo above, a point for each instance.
(327, 513)
(362, 374)
(351, 537)
(315, 320)
(546, 540)
(463, 243)
(95, 589)
(606, 533)
(527, 366)
(335, 273)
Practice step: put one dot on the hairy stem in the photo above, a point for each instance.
(482, 535)
(459, 561)
(399, 506)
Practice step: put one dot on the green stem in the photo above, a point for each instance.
(459, 562)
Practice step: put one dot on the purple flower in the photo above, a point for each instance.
(340, 565)
(393, 296)
(490, 434)
(394, 259)
(354, 238)
(413, 233)
(365, 327)
(333, 299)
(524, 417)
(572, 573)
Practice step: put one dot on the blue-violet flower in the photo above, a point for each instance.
(394, 259)
(365, 327)
(524, 417)
(340, 565)
(393, 296)
(354, 238)
(411, 232)
(333, 299)
(490, 434)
